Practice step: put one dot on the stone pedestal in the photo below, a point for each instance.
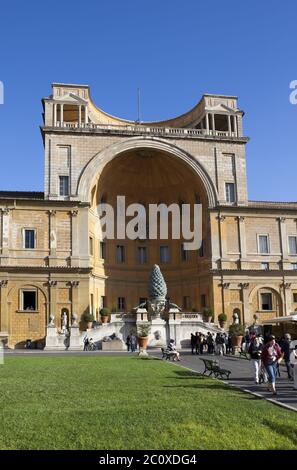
(55, 341)
(113, 345)
(158, 334)
(143, 352)
(75, 343)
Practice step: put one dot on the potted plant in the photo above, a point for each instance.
(222, 317)
(88, 318)
(104, 312)
(236, 331)
(143, 333)
(207, 314)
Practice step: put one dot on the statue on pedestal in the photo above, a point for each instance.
(64, 322)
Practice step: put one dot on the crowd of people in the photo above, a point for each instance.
(265, 353)
(211, 343)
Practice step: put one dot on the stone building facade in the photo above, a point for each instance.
(53, 258)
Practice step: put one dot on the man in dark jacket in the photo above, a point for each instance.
(285, 347)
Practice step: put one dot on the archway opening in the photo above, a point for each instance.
(122, 265)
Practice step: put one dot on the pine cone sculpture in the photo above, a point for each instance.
(157, 285)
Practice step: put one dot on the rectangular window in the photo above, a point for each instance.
(263, 244)
(184, 254)
(230, 192)
(295, 297)
(103, 301)
(203, 300)
(121, 304)
(293, 245)
(28, 300)
(64, 185)
(164, 254)
(265, 266)
(186, 302)
(91, 246)
(102, 250)
(142, 255)
(294, 266)
(29, 239)
(120, 254)
(266, 301)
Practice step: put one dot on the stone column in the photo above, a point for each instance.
(283, 239)
(86, 115)
(74, 238)
(235, 126)
(223, 238)
(52, 238)
(53, 301)
(224, 286)
(55, 114)
(74, 297)
(5, 235)
(242, 239)
(61, 113)
(213, 124)
(215, 241)
(287, 307)
(79, 115)
(229, 125)
(245, 302)
(3, 306)
(83, 237)
(207, 122)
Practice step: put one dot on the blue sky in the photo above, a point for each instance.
(174, 51)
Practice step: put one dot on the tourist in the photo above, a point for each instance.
(255, 351)
(172, 348)
(197, 344)
(193, 342)
(210, 343)
(285, 347)
(133, 343)
(201, 343)
(271, 356)
(128, 342)
(219, 342)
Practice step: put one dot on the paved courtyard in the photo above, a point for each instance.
(242, 376)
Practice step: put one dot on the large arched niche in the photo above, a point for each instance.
(96, 165)
(148, 175)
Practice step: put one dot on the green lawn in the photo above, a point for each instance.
(131, 403)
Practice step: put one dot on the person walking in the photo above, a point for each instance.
(193, 342)
(133, 343)
(271, 356)
(128, 342)
(255, 351)
(285, 347)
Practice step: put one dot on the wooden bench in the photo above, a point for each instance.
(212, 368)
